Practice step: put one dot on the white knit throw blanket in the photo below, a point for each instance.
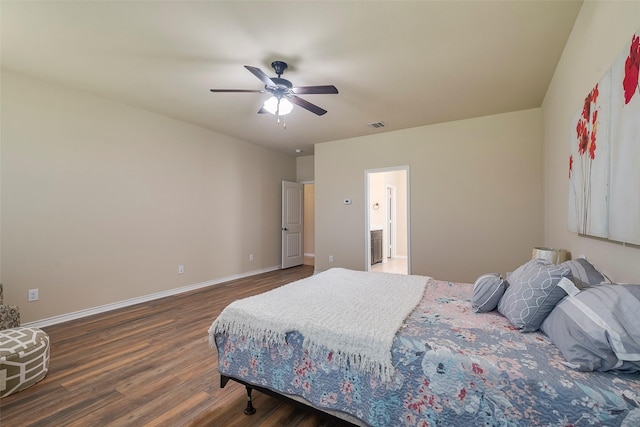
(353, 314)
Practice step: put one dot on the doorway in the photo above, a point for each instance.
(309, 191)
(387, 220)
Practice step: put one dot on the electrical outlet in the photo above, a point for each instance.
(180, 269)
(250, 257)
(33, 295)
(330, 258)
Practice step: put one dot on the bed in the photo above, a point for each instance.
(453, 359)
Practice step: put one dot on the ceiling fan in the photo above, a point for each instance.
(283, 94)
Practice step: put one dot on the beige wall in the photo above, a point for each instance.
(600, 33)
(475, 194)
(101, 201)
(304, 169)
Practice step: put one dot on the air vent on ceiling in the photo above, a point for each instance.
(376, 125)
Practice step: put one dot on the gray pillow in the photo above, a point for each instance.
(584, 273)
(598, 329)
(487, 291)
(533, 293)
(517, 274)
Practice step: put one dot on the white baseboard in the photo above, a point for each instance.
(310, 255)
(145, 298)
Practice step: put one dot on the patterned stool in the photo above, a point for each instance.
(24, 358)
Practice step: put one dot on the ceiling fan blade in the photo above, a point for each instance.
(261, 75)
(311, 90)
(307, 105)
(237, 90)
(262, 111)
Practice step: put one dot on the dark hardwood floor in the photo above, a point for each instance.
(151, 364)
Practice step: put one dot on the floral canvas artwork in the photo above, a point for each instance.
(604, 161)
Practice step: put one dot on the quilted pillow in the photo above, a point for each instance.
(598, 329)
(533, 293)
(487, 291)
(584, 273)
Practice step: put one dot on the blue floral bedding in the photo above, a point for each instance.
(454, 368)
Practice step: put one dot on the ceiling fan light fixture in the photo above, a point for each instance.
(284, 94)
(278, 106)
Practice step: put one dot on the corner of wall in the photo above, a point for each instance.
(305, 168)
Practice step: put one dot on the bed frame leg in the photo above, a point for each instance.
(223, 381)
(249, 410)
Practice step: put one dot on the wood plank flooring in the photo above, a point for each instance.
(151, 365)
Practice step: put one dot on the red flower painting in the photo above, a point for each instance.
(586, 133)
(603, 162)
(631, 70)
(586, 128)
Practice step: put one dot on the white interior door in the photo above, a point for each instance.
(292, 224)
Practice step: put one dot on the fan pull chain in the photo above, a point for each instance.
(284, 119)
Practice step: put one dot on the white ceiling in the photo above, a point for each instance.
(404, 63)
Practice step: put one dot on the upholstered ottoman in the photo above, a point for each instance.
(24, 358)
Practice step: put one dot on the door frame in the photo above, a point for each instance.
(392, 229)
(367, 249)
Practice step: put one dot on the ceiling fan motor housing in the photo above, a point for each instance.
(283, 84)
(279, 67)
